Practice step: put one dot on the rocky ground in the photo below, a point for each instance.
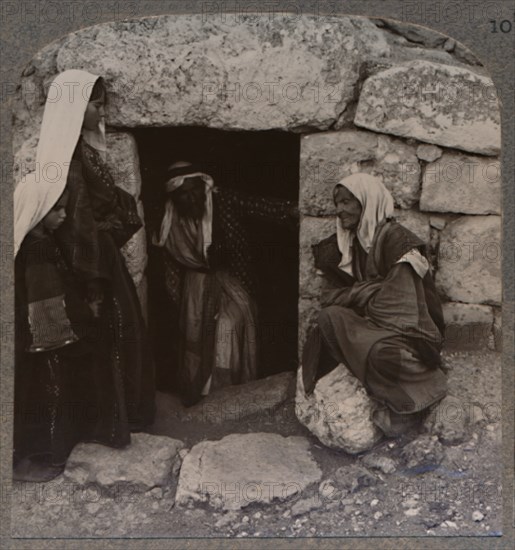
(445, 482)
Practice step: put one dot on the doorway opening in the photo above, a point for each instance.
(265, 164)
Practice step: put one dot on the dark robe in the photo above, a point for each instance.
(386, 324)
(100, 218)
(230, 252)
(55, 399)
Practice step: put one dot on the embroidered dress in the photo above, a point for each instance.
(95, 227)
(78, 377)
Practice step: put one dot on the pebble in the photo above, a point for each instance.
(374, 502)
(287, 514)
(245, 519)
(156, 492)
(449, 45)
(412, 512)
(448, 523)
(155, 505)
(257, 515)
(378, 515)
(92, 507)
(477, 515)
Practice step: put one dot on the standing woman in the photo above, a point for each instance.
(118, 395)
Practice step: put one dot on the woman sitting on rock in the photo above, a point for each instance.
(96, 362)
(381, 315)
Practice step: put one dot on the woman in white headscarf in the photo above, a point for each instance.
(117, 395)
(381, 315)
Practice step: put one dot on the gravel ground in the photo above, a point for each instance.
(434, 489)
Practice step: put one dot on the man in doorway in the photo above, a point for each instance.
(209, 278)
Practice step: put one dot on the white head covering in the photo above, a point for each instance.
(66, 103)
(377, 205)
(207, 220)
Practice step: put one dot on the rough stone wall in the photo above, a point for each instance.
(403, 102)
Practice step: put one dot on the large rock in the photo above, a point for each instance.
(416, 33)
(436, 103)
(415, 221)
(338, 412)
(278, 72)
(254, 401)
(241, 469)
(328, 157)
(428, 153)
(312, 231)
(467, 326)
(123, 162)
(149, 461)
(470, 260)
(448, 420)
(25, 159)
(462, 183)
(308, 315)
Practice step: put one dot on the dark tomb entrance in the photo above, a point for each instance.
(264, 163)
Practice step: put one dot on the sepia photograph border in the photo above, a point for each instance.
(24, 32)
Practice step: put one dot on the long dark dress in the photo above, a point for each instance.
(386, 325)
(54, 367)
(100, 219)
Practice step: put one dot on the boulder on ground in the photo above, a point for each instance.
(242, 469)
(338, 412)
(149, 461)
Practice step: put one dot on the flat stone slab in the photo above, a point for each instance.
(338, 412)
(467, 326)
(254, 400)
(326, 158)
(273, 72)
(469, 260)
(149, 461)
(467, 184)
(240, 469)
(435, 103)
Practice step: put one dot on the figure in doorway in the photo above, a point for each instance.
(209, 279)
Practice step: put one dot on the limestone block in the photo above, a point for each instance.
(149, 461)
(123, 162)
(469, 261)
(312, 231)
(328, 157)
(467, 184)
(242, 469)
(338, 412)
(276, 73)
(435, 103)
(467, 326)
(415, 221)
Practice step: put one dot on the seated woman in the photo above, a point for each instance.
(381, 314)
(73, 282)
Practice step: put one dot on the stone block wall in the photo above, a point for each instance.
(398, 101)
